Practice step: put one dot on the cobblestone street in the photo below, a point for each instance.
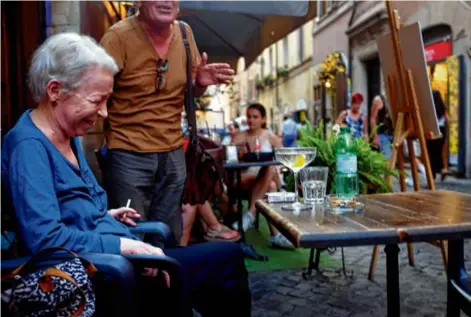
(423, 287)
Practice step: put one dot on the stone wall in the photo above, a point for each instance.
(62, 16)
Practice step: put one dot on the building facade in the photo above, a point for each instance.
(352, 28)
(280, 78)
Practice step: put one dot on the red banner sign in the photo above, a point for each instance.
(437, 51)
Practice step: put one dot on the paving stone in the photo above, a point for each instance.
(300, 293)
(287, 283)
(283, 290)
(302, 312)
(303, 286)
(301, 302)
(285, 308)
(337, 312)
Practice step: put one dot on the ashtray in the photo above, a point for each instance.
(339, 205)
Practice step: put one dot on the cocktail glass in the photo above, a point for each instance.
(295, 158)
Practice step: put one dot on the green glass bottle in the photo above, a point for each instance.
(346, 179)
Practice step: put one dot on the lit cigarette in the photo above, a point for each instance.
(127, 206)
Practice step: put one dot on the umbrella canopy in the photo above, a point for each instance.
(228, 30)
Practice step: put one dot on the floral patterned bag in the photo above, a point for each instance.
(61, 290)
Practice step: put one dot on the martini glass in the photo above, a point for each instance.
(296, 158)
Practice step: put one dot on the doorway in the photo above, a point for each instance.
(373, 73)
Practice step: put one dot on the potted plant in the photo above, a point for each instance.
(372, 165)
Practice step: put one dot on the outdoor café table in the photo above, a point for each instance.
(388, 219)
(235, 192)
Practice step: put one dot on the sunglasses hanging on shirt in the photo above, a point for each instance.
(162, 67)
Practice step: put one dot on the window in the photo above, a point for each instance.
(301, 44)
(317, 93)
(270, 60)
(285, 52)
(324, 7)
(320, 8)
(262, 67)
(329, 4)
(252, 93)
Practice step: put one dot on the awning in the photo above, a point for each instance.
(228, 30)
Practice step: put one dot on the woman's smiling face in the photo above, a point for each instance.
(79, 110)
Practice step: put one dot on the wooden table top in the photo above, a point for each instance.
(421, 216)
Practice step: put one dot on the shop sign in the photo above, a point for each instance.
(438, 51)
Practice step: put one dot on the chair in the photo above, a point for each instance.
(115, 283)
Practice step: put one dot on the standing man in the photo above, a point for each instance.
(146, 160)
(290, 131)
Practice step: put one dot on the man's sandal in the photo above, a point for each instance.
(223, 234)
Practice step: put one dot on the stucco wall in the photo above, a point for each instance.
(329, 34)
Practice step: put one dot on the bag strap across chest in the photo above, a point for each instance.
(189, 97)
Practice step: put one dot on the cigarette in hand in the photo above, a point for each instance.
(127, 206)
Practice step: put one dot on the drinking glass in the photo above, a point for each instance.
(295, 159)
(314, 184)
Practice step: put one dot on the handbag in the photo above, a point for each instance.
(203, 157)
(61, 290)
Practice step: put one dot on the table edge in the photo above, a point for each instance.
(390, 235)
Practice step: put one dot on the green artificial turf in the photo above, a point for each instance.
(279, 259)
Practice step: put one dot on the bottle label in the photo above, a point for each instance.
(347, 163)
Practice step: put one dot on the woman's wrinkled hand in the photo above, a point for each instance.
(125, 215)
(129, 246)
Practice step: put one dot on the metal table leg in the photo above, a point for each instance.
(456, 273)
(239, 205)
(248, 249)
(392, 280)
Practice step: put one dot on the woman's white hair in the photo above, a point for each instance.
(65, 57)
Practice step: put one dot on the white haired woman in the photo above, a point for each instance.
(57, 200)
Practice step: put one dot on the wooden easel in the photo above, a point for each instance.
(407, 126)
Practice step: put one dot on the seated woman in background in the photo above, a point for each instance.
(58, 201)
(263, 180)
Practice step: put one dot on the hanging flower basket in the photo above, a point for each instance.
(269, 80)
(259, 85)
(328, 70)
(282, 72)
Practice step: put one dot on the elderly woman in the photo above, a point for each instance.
(57, 200)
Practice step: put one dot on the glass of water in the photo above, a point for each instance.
(314, 184)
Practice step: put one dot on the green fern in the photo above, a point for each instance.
(372, 165)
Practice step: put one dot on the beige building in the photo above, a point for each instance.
(280, 78)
